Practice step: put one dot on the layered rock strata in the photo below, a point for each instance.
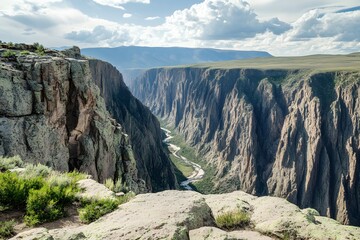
(292, 133)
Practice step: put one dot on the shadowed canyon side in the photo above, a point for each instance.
(51, 112)
(292, 133)
(153, 162)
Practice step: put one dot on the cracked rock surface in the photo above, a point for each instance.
(190, 215)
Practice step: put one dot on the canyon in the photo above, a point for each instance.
(286, 127)
(290, 133)
(52, 113)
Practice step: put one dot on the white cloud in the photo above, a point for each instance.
(118, 3)
(98, 34)
(343, 26)
(16, 7)
(152, 18)
(127, 15)
(226, 24)
(217, 19)
(291, 10)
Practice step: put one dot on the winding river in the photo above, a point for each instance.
(198, 172)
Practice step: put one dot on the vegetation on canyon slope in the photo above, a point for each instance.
(44, 194)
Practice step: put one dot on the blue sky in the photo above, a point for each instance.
(277, 26)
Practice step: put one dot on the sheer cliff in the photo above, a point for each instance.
(141, 125)
(51, 112)
(287, 127)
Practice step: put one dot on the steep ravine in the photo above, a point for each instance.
(51, 112)
(288, 133)
(144, 131)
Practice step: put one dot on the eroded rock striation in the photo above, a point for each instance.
(51, 112)
(188, 215)
(291, 132)
(142, 126)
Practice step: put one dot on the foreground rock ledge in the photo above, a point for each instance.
(190, 215)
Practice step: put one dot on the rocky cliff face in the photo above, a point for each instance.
(51, 112)
(142, 126)
(288, 133)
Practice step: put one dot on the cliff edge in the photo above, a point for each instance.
(51, 112)
(187, 215)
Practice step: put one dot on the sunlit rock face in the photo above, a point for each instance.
(288, 133)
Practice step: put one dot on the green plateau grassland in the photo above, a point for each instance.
(350, 62)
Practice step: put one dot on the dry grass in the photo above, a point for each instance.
(349, 62)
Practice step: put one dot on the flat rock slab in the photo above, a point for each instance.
(94, 190)
(164, 215)
(212, 233)
(34, 234)
(188, 215)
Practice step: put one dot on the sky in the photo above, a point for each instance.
(282, 28)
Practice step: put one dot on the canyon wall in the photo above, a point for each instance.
(51, 112)
(289, 133)
(142, 126)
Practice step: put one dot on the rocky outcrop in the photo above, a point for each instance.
(144, 131)
(51, 112)
(187, 215)
(91, 190)
(291, 133)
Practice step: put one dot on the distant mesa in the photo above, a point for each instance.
(133, 60)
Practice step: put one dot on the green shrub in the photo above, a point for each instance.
(7, 163)
(233, 220)
(36, 170)
(58, 179)
(109, 183)
(39, 190)
(7, 229)
(48, 203)
(14, 190)
(39, 48)
(127, 197)
(9, 54)
(97, 208)
(76, 176)
(120, 186)
(24, 53)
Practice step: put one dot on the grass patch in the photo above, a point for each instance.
(7, 229)
(93, 210)
(24, 53)
(43, 193)
(233, 220)
(116, 186)
(97, 208)
(7, 163)
(39, 191)
(9, 54)
(317, 63)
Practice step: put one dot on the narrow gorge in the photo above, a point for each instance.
(287, 127)
(52, 112)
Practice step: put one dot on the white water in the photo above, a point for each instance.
(198, 172)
